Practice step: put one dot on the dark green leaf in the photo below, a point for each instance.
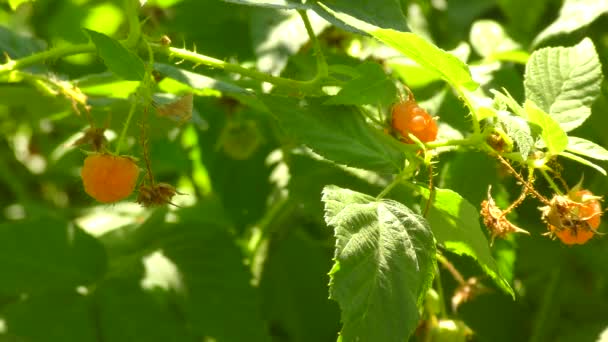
(372, 87)
(127, 313)
(117, 58)
(37, 255)
(16, 45)
(338, 133)
(455, 225)
(51, 317)
(384, 263)
(217, 295)
(362, 15)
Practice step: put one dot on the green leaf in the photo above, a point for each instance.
(488, 38)
(117, 58)
(15, 3)
(50, 317)
(455, 224)
(17, 45)
(362, 15)
(280, 4)
(518, 129)
(127, 313)
(277, 35)
(553, 135)
(372, 87)
(429, 56)
(384, 262)
(338, 133)
(216, 294)
(565, 82)
(583, 161)
(304, 290)
(573, 15)
(38, 255)
(586, 148)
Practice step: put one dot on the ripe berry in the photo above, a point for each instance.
(573, 218)
(108, 178)
(408, 117)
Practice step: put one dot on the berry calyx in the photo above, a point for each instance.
(409, 118)
(109, 178)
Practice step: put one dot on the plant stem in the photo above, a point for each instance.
(322, 68)
(131, 8)
(443, 312)
(125, 127)
(473, 139)
(305, 86)
(45, 55)
(551, 182)
(547, 308)
(465, 99)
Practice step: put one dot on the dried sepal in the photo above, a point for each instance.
(95, 137)
(495, 219)
(467, 292)
(156, 194)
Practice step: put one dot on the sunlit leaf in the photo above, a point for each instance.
(573, 15)
(564, 82)
(553, 135)
(455, 224)
(586, 148)
(384, 262)
(429, 56)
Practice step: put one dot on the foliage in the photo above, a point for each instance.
(277, 199)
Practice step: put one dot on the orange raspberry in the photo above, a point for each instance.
(573, 218)
(408, 117)
(108, 178)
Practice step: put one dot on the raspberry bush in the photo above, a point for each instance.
(290, 170)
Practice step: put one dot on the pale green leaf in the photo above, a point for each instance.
(586, 148)
(372, 87)
(429, 56)
(117, 58)
(281, 4)
(338, 133)
(518, 129)
(552, 134)
(455, 224)
(573, 15)
(583, 161)
(384, 261)
(564, 82)
(488, 38)
(15, 3)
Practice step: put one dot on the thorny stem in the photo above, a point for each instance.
(305, 86)
(125, 127)
(522, 196)
(443, 312)
(465, 99)
(322, 68)
(523, 181)
(551, 182)
(43, 56)
(453, 271)
(133, 20)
